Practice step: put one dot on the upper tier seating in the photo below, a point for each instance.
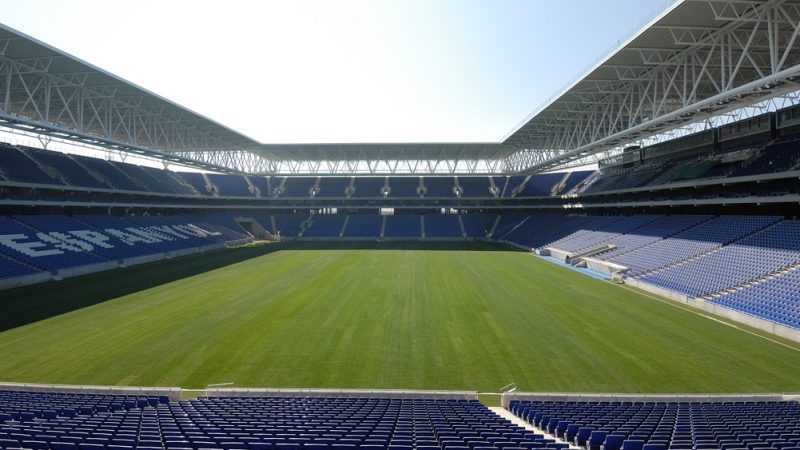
(368, 187)
(16, 166)
(404, 187)
(262, 184)
(574, 179)
(439, 186)
(442, 226)
(141, 178)
(475, 186)
(72, 172)
(541, 185)
(108, 172)
(333, 186)
(170, 182)
(773, 158)
(757, 255)
(508, 185)
(198, 181)
(230, 185)
(298, 187)
(663, 425)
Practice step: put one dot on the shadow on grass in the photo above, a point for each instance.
(24, 305)
(28, 304)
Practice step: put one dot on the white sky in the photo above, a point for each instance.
(297, 71)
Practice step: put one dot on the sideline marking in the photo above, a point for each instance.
(715, 319)
(674, 304)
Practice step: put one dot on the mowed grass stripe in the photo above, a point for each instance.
(390, 315)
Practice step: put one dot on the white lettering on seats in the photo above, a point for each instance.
(128, 238)
(27, 248)
(166, 229)
(59, 244)
(191, 231)
(95, 237)
(147, 235)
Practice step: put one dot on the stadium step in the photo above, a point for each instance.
(508, 415)
(253, 188)
(521, 222)
(520, 187)
(493, 188)
(280, 187)
(272, 224)
(94, 174)
(52, 172)
(350, 190)
(344, 225)
(560, 185)
(181, 181)
(313, 191)
(210, 187)
(490, 234)
(123, 174)
(584, 185)
(461, 227)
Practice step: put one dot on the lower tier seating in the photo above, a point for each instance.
(75, 422)
(616, 425)
(60, 421)
(48, 243)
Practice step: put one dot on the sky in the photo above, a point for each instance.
(343, 71)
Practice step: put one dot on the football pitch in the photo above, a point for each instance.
(473, 316)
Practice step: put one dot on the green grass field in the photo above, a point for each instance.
(402, 315)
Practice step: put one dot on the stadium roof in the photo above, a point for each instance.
(698, 59)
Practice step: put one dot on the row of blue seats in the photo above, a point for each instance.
(411, 226)
(30, 165)
(35, 243)
(697, 255)
(774, 157)
(615, 425)
(760, 254)
(290, 423)
(776, 299)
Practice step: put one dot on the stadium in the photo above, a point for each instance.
(621, 271)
